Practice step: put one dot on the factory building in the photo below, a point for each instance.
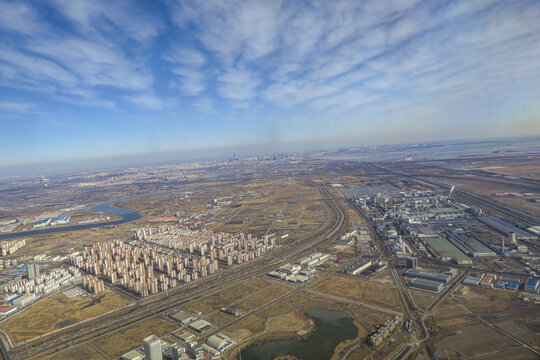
(357, 267)
(487, 282)
(24, 300)
(6, 310)
(152, 348)
(506, 228)
(290, 269)
(183, 317)
(42, 222)
(200, 326)
(472, 280)
(313, 260)
(428, 275)
(532, 286)
(60, 220)
(217, 342)
(469, 245)
(425, 284)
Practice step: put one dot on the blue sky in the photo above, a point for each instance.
(81, 79)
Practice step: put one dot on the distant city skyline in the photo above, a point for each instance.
(97, 79)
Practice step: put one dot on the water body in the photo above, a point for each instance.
(331, 328)
(109, 208)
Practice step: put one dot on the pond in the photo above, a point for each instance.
(331, 328)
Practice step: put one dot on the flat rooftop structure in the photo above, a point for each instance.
(61, 219)
(200, 325)
(6, 310)
(424, 231)
(455, 222)
(447, 251)
(512, 286)
(505, 227)
(425, 284)
(469, 245)
(183, 317)
(428, 275)
(357, 267)
(43, 221)
(471, 280)
(532, 283)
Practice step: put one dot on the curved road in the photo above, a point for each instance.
(160, 305)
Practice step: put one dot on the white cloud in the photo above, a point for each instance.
(28, 69)
(97, 15)
(185, 56)
(15, 106)
(94, 63)
(147, 100)
(238, 84)
(18, 17)
(190, 81)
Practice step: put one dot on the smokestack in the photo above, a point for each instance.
(512, 238)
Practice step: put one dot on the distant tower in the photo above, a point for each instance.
(503, 245)
(152, 348)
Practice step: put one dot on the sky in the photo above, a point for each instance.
(84, 79)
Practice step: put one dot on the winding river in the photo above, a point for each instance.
(109, 208)
(331, 328)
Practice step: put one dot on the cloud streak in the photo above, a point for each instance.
(360, 64)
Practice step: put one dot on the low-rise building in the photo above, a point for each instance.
(357, 267)
(532, 286)
(425, 284)
(428, 275)
(200, 326)
(24, 300)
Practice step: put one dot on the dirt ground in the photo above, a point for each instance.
(122, 341)
(58, 311)
(360, 290)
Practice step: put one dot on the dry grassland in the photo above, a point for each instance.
(264, 297)
(360, 290)
(205, 305)
(122, 341)
(57, 311)
(79, 352)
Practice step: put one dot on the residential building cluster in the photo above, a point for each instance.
(378, 337)
(43, 284)
(93, 285)
(9, 247)
(164, 257)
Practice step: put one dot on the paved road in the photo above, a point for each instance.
(3, 350)
(305, 244)
(342, 299)
(447, 292)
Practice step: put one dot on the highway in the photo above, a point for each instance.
(158, 305)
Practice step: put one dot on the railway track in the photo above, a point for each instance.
(516, 214)
(159, 306)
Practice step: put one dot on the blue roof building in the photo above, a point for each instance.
(532, 286)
